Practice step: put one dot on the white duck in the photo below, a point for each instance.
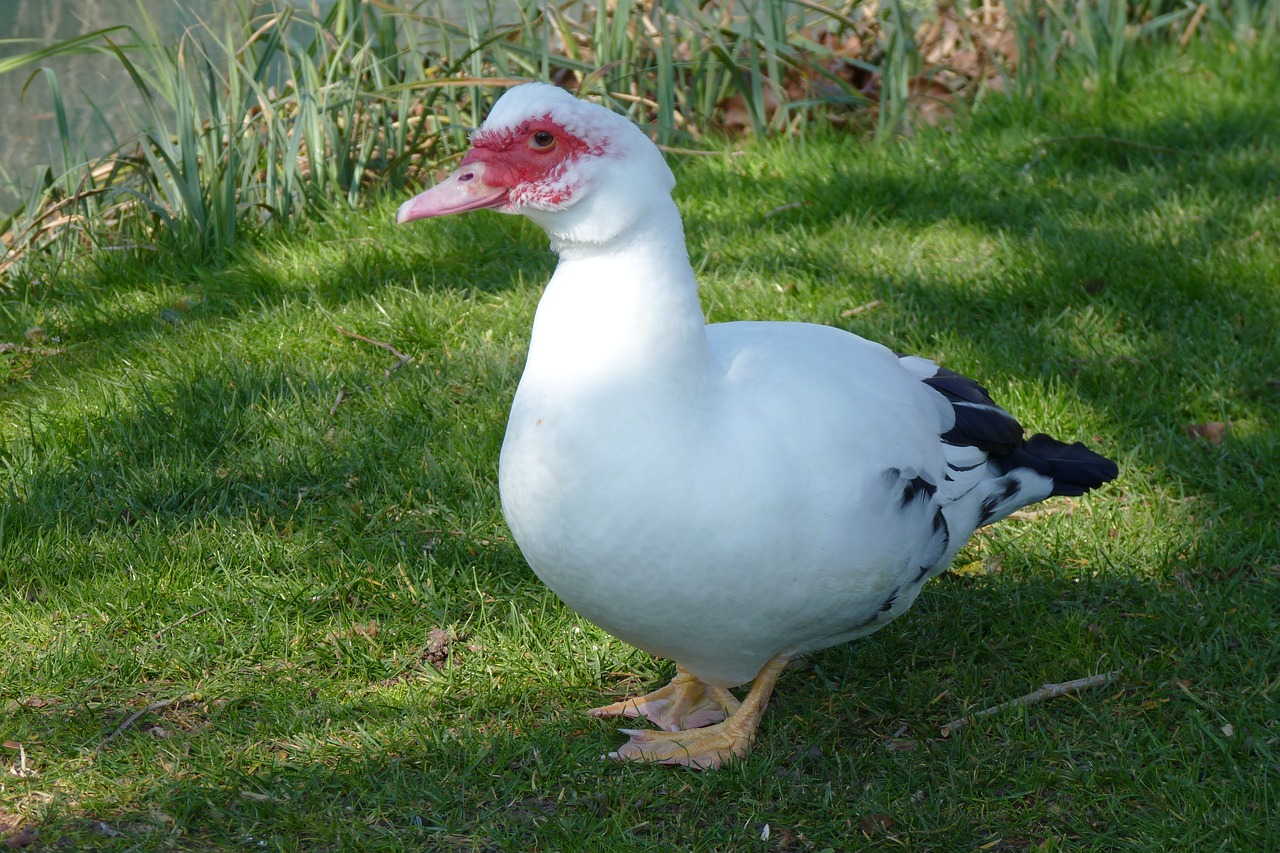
(731, 495)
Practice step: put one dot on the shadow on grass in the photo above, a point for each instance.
(271, 447)
(120, 302)
(462, 759)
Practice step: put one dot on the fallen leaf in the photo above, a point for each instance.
(1212, 432)
(874, 823)
(439, 647)
(931, 101)
(26, 834)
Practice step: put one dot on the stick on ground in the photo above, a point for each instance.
(1048, 691)
(337, 401)
(167, 628)
(25, 350)
(154, 706)
(402, 358)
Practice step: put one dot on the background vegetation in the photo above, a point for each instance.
(255, 589)
(289, 111)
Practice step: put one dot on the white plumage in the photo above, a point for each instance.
(731, 495)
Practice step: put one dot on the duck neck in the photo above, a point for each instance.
(624, 310)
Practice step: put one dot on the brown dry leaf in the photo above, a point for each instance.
(967, 63)
(24, 835)
(439, 647)
(876, 823)
(737, 118)
(1006, 45)
(1212, 432)
(930, 100)
(850, 48)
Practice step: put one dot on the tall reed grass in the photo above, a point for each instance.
(287, 112)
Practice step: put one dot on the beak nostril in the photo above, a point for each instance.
(466, 176)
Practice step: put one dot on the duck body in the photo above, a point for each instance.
(729, 495)
(735, 512)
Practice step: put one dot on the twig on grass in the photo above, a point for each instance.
(861, 309)
(791, 205)
(25, 350)
(22, 771)
(402, 359)
(167, 628)
(337, 401)
(1048, 691)
(154, 706)
(1194, 25)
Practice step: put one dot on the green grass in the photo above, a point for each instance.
(189, 512)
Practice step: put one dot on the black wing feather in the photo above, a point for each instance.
(981, 423)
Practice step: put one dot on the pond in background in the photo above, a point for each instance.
(95, 88)
(88, 82)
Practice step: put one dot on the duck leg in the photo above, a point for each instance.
(712, 746)
(686, 703)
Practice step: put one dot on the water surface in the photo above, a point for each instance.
(97, 92)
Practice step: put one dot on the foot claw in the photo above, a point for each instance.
(724, 728)
(700, 749)
(685, 703)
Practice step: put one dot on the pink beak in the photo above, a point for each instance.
(464, 190)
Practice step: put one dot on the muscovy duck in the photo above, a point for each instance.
(730, 495)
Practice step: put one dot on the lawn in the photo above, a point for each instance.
(256, 591)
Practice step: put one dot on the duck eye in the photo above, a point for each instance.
(541, 139)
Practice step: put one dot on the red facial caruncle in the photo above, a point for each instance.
(529, 159)
(507, 168)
